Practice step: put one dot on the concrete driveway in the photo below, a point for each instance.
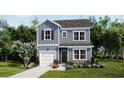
(34, 72)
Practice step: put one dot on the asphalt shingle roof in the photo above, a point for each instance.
(76, 44)
(74, 23)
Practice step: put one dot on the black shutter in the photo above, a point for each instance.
(52, 34)
(42, 34)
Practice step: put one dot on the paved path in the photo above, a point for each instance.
(33, 73)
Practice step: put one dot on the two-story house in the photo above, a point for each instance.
(65, 40)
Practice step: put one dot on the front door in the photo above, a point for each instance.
(64, 56)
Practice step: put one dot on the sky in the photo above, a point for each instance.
(16, 20)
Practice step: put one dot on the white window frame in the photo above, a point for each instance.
(64, 32)
(79, 35)
(45, 34)
(79, 54)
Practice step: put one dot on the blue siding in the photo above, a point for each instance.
(69, 38)
(48, 25)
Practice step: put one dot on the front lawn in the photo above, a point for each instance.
(114, 69)
(9, 68)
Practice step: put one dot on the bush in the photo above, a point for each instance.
(94, 60)
(88, 66)
(102, 65)
(56, 61)
(75, 65)
(37, 60)
(69, 63)
(69, 67)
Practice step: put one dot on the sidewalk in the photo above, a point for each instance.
(33, 73)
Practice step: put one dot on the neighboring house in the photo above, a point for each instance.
(65, 40)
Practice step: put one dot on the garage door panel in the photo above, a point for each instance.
(47, 57)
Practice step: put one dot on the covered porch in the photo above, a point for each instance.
(74, 53)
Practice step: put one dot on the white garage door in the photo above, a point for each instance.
(47, 57)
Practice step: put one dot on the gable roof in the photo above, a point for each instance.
(49, 21)
(74, 23)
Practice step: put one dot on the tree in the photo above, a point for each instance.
(25, 50)
(3, 24)
(6, 44)
(35, 22)
(24, 34)
(112, 42)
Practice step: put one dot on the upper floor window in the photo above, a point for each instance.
(79, 35)
(64, 34)
(47, 34)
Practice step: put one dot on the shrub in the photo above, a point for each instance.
(75, 65)
(69, 67)
(37, 60)
(56, 61)
(69, 63)
(102, 65)
(94, 60)
(88, 66)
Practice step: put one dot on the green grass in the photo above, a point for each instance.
(9, 68)
(114, 69)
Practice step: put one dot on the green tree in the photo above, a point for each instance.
(34, 22)
(24, 34)
(6, 44)
(25, 50)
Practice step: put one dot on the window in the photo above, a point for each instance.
(82, 54)
(76, 54)
(79, 54)
(75, 35)
(64, 34)
(79, 36)
(47, 34)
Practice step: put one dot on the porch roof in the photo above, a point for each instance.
(76, 44)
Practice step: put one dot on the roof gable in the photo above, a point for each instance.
(51, 22)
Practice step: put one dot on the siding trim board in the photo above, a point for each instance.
(47, 44)
(76, 28)
(77, 46)
(49, 21)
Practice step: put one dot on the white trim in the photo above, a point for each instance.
(45, 34)
(64, 32)
(49, 21)
(58, 41)
(80, 54)
(61, 57)
(89, 36)
(77, 46)
(79, 35)
(37, 35)
(47, 44)
(68, 54)
(76, 28)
